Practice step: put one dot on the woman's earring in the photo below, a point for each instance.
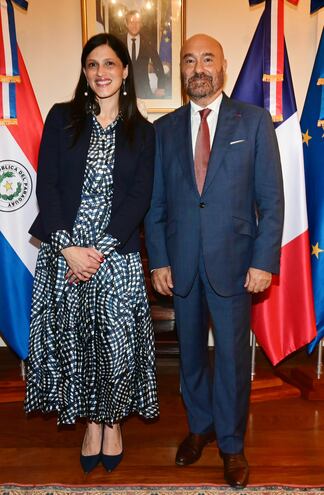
(124, 87)
(86, 91)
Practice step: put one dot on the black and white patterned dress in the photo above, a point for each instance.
(91, 344)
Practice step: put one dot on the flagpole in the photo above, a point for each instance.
(23, 370)
(253, 345)
(319, 360)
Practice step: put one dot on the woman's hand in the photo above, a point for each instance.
(82, 261)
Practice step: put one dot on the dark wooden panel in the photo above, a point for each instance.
(166, 342)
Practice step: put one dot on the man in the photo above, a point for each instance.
(213, 235)
(143, 53)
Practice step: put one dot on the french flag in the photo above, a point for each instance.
(19, 146)
(283, 317)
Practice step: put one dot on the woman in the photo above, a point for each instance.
(91, 343)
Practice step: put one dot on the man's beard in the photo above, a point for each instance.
(199, 91)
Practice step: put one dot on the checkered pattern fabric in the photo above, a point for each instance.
(91, 344)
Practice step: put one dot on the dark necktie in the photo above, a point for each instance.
(133, 50)
(202, 149)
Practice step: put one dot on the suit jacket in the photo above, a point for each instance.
(61, 170)
(237, 222)
(146, 53)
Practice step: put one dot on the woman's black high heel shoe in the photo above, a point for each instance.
(110, 462)
(89, 462)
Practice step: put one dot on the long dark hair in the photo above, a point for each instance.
(82, 105)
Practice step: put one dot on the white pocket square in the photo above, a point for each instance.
(238, 141)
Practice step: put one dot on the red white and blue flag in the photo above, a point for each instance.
(283, 318)
(314, 4)
(294, 2)
(18, 206)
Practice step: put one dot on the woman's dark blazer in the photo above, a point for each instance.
(60, 175)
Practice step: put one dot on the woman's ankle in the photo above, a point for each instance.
(112, 440)
(92, 440)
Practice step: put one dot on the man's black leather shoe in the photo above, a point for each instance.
(236, 469)
(192, 446)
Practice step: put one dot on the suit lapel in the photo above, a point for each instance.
(226, 124)
(182, 134)
(121, 153)
(85, 139)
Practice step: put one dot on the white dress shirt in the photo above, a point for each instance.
(211, 120)
(137, 44)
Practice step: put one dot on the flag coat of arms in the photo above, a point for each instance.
(19, 138)
(283, 317)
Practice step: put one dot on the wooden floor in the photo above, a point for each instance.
(284, 442)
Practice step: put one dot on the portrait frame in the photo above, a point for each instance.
(176, 16)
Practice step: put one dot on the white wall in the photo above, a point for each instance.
(233, 23)
(49, 35)
(50, 39)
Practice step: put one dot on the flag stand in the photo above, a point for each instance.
(266, 384)
(308, 379)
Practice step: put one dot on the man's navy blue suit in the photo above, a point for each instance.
(210, 241)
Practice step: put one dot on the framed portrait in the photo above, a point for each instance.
(153, 32)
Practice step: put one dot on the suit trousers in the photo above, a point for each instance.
(216, 395)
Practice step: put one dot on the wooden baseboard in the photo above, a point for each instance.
(267, 386)
(264, 388)
(12, 391)
(162, 313)
(305, 378)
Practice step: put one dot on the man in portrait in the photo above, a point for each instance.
(145, 58)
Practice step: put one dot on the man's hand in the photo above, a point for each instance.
(162, 280)
(159, 92)
(257, 280)
(83, 262)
